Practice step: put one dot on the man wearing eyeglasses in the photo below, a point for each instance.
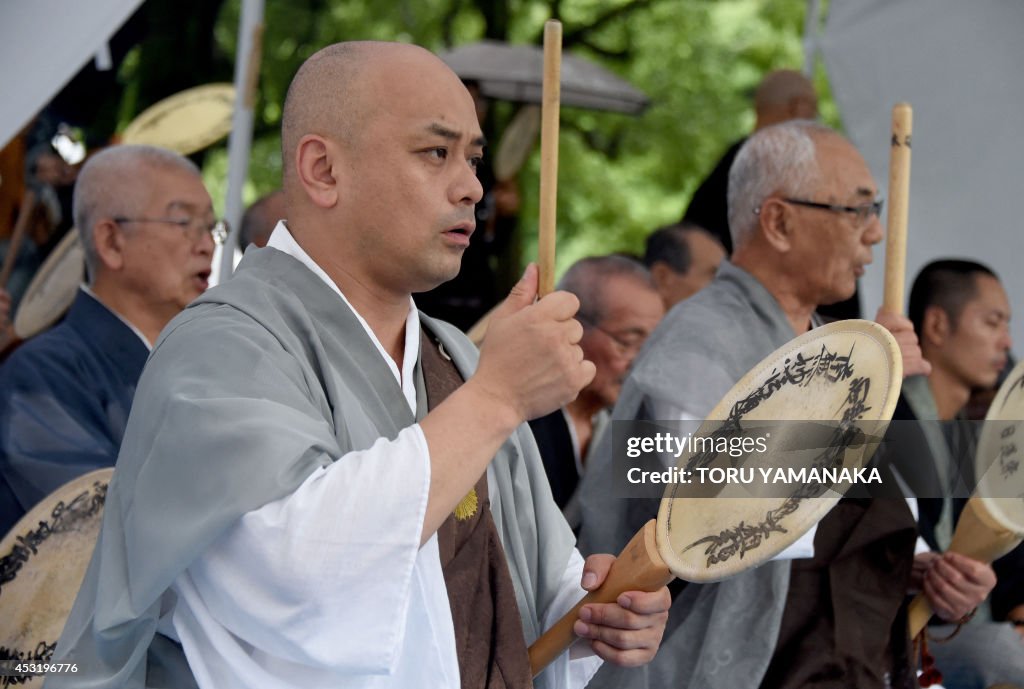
(147, 226)
(803, 212)
(619, 308)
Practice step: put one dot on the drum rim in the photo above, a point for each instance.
(215, 130)
(22, 542)
(62, 258)
(999, 412)
(881, 412)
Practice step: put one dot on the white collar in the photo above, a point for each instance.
(282, 240)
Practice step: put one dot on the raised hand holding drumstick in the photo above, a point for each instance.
(628, 630)
(891, 314)
(953, 584)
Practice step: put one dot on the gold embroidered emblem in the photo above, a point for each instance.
(467, 506)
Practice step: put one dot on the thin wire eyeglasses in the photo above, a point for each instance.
(193, 227)
(624, 346)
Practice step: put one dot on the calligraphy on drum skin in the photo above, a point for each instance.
(798, 371)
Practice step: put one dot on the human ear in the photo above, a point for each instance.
(317, 166)
(661, 274)
(774, 224)
(935, 326)
(109, 240)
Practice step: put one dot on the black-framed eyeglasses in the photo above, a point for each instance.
(192, 227)
(862, 213)
(630, 346)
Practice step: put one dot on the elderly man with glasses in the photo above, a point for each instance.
(147, 225)
(619, 308)
(803, 212)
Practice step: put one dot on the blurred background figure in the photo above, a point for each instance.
(146, 222)
(682, 258)
(961, 315)
(5, 310)
(53, 181)
(783, 95)
(260, 218)
(43, 217)
(619, 308)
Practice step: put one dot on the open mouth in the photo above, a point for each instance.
(202, 278)
(461, 233)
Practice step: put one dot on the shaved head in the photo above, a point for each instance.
(782, 86)
(335, 90)
(783, 95)
(381, 144)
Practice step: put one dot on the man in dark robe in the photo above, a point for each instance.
(145, 220)
(619, 308)
(961, 315)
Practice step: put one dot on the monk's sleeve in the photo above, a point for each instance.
(323, 578)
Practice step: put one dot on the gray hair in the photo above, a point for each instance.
(110, 185)
(587, 277)
(777, 159)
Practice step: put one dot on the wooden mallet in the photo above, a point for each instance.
(550, 104)
(899, 193)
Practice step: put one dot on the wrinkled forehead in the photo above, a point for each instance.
(844, 173)
(167, 188)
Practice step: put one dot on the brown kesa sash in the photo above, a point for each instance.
(488, 632)
(844, 626)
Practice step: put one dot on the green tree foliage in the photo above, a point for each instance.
(620, 176)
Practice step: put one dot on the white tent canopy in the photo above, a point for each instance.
(54, 39)
(43, 44)
(957, 63)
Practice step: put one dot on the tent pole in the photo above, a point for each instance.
(247, 65)
(812, 32)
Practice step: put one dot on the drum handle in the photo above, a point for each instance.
(639, 567)
(977, 536)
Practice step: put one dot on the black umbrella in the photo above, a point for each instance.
(515, 72)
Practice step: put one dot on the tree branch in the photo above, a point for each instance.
(610, 54)
(579, 34)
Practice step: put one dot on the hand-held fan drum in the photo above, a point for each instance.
(43, 560)
(992, 523)
(841, 379)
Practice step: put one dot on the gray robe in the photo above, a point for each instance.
(253, 387)
(719, 636)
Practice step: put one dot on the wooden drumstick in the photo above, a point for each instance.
(549, 153)
(899, 193)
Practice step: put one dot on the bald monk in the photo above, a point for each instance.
(322, 487)
(782, 95)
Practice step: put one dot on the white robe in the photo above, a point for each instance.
(325, 584)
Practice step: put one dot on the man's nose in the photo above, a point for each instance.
(874, 233)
